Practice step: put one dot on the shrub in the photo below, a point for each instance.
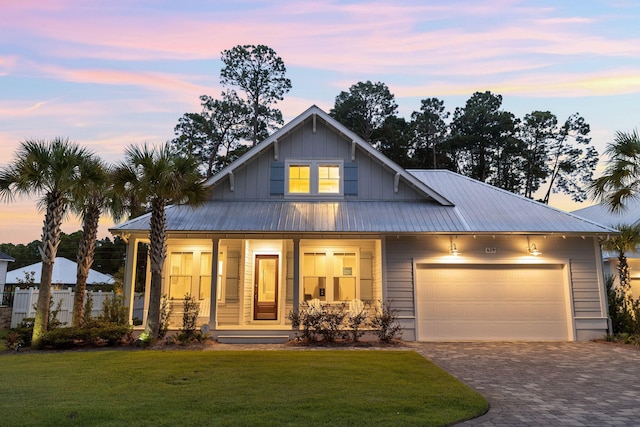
(191, 310)
(88, 308)
(165, 316)
(385, 323)
(188, 333)
(53, 322)
(331, 322)
(114, 311)
(318, 319)
(356, 319)
(98, 334)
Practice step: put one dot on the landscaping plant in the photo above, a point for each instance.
(385, 323)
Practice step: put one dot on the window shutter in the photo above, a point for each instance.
(277, 178)
(351, 179)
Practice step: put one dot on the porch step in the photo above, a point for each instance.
(253, 339)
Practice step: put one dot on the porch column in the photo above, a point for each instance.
(296, 274)
(130, 276)
(215, 248)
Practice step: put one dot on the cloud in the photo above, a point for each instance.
(149, 79)
(550, 85)
(565, 21)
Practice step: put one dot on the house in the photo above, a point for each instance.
(64, 273)
(4, 265)
(630, 215)
(315, 212)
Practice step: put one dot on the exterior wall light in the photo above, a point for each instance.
(533, 250)
(453, 249)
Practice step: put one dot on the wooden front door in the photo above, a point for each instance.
(265, 288)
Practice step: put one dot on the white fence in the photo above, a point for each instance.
(25, 301)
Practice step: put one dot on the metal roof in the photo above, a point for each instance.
(629, 214)
(64, 271)
(5, 257)
(479, 208)
(489, 209)
(294, 216)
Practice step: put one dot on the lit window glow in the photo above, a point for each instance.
(329, 179)
(299, 179)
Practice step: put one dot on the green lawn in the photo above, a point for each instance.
(184, 387)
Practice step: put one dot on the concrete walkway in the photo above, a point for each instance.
(546, 384)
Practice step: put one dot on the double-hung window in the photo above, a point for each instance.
(316, 177)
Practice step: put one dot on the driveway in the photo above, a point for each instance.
(550, 384)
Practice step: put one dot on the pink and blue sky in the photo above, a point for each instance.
(107, 74)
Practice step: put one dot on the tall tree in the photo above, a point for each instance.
(620, 180)
(158, 177)
(394, 140)
(89, 201)
(50, 170)
(537, 131)
(482, 134)
(261, 74)
(365, 108)
(430, 132)
(214, 134)
(571, 166)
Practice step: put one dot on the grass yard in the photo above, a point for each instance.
(184, 387)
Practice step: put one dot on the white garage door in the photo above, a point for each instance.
(496, 302)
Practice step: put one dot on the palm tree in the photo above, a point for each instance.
(90, 200)
(627, 241)
(621, 178)
(50, 170)
(158, 177)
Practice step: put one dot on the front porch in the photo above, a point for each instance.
(246, 287)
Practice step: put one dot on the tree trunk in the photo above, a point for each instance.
(85, 261)
(157, 255)
(50, 241)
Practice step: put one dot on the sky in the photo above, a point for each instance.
(110, 73)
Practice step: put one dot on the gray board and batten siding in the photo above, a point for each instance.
(252, 180)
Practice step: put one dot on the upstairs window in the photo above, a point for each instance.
(329, 179)
(314, 177)
(299, 179)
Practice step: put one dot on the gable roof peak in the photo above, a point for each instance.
(316, 112)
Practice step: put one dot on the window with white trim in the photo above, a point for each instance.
(181, 273)
(330, 276)
(316, 177)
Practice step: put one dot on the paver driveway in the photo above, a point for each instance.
(550, 384)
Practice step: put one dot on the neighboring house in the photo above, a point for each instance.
(4, 265)
(64, 273)
(630, 215)
(315, 212)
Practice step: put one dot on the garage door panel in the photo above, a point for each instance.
(502, 302)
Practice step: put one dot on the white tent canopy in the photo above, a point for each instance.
(64, 272)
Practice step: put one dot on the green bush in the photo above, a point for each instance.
(95, 334)
(165, 316)
(114, 310)
(385, 323)
(21, 334)
(331, 322)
